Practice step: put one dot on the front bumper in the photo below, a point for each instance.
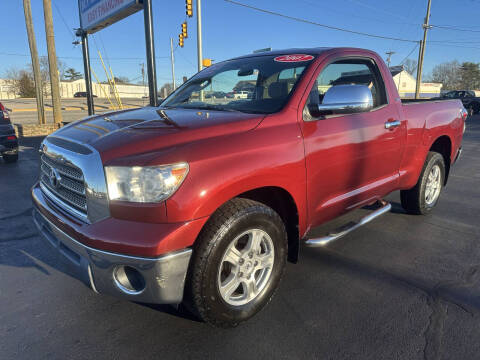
(163, 277)
(9, 147)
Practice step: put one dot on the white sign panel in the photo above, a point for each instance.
(97, 14)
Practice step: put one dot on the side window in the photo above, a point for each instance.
(350, 71)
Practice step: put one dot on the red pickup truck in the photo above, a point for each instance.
(203, 199)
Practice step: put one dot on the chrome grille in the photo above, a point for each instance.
(70, 188)
(63, 169)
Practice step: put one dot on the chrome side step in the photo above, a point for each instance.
(342, 231)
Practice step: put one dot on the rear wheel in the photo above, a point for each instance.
(473, 109)
(470, 110)
(237, 264)
(425, 194)
(10, 158)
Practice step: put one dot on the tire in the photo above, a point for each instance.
(470, 110)
(234, 225)
(10, 158)
(423, 197)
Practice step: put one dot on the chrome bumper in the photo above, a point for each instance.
(151, 280)
(8, 150)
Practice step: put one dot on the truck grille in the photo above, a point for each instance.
(68, 186)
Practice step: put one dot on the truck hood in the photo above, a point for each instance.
(138, 131)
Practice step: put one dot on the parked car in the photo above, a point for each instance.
(468, 98)
(82, 94)
(204, 203)
(8, 139)
(219, 94)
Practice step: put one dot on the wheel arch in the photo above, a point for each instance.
(283, 203)
(443, 146)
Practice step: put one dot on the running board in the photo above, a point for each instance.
(344, 230)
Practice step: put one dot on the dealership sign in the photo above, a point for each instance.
(97, 14)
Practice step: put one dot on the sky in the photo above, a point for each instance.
(230, 30)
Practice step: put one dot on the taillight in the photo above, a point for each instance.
(13, 137)
(2, 108)
(464, 114)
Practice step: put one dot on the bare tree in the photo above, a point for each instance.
(166, 89)
(448, 73)
(45, 75)
(12, 79)
(121, 80)
(20, 82)
(410, 66)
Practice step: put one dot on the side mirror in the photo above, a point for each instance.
(344, 99)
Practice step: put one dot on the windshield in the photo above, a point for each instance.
(451, 94)
(260, 84)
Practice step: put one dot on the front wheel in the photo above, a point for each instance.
(237, 263)
(422, 198)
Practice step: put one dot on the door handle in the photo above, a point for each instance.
(392, 124)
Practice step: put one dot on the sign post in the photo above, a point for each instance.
(86, 70)
(98, 14)
(151, 67)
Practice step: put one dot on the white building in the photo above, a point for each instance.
(406, 84)
(69, 88)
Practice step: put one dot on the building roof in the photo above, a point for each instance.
(395, 70)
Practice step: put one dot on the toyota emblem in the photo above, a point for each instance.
(54, 178)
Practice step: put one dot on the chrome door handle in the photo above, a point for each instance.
(392, 124)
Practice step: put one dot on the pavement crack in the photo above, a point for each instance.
(434, 332)
(438, 300)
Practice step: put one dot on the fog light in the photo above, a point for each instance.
(129, 280)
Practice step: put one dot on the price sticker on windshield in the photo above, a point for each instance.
(293, 58)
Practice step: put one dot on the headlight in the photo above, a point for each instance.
(144, 184)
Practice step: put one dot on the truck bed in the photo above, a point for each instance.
(413, 101)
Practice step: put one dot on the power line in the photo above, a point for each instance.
(454, 28)
(186, 59)
(370, 18)
(318, 24)
(63, 20)
(457, 46)
(410, 53)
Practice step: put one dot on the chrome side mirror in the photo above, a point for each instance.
(344, 99)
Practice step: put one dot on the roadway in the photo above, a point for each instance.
(23, 111)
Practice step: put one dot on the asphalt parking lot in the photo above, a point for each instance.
(402, 287)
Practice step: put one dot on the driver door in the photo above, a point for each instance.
(351, 159)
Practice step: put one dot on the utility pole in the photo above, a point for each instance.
(421, 54)
(52, 62)
(172, 59)
(199, 34)
(142, 70)
(27, 9)
(389, 58)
